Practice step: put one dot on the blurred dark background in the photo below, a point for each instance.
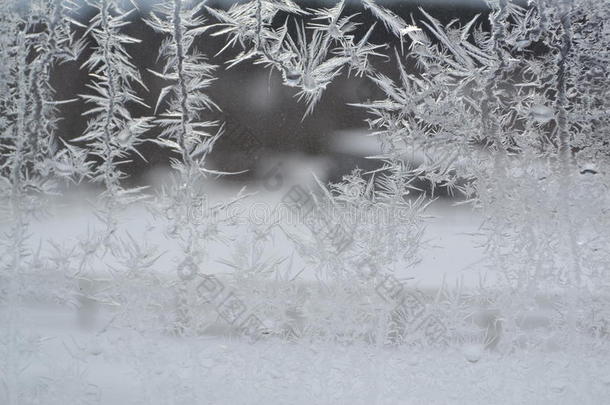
(263, 118)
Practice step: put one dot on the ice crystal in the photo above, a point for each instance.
(505, 111)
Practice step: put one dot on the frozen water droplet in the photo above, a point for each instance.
(472, 352)
(309, 83)
(292, 78)
(124, 137)
(95, 349)
(187, 269)
(558, 386)
(589, 168)
(542, 114)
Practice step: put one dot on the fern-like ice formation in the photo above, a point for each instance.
(189, 73)
(186, 133)
(112, 134)
(510, 114)
(35, 36)
(307, 62)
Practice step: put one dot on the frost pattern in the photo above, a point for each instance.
(511, 116)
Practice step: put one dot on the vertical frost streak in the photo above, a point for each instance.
(108, 161)
(177, 22)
